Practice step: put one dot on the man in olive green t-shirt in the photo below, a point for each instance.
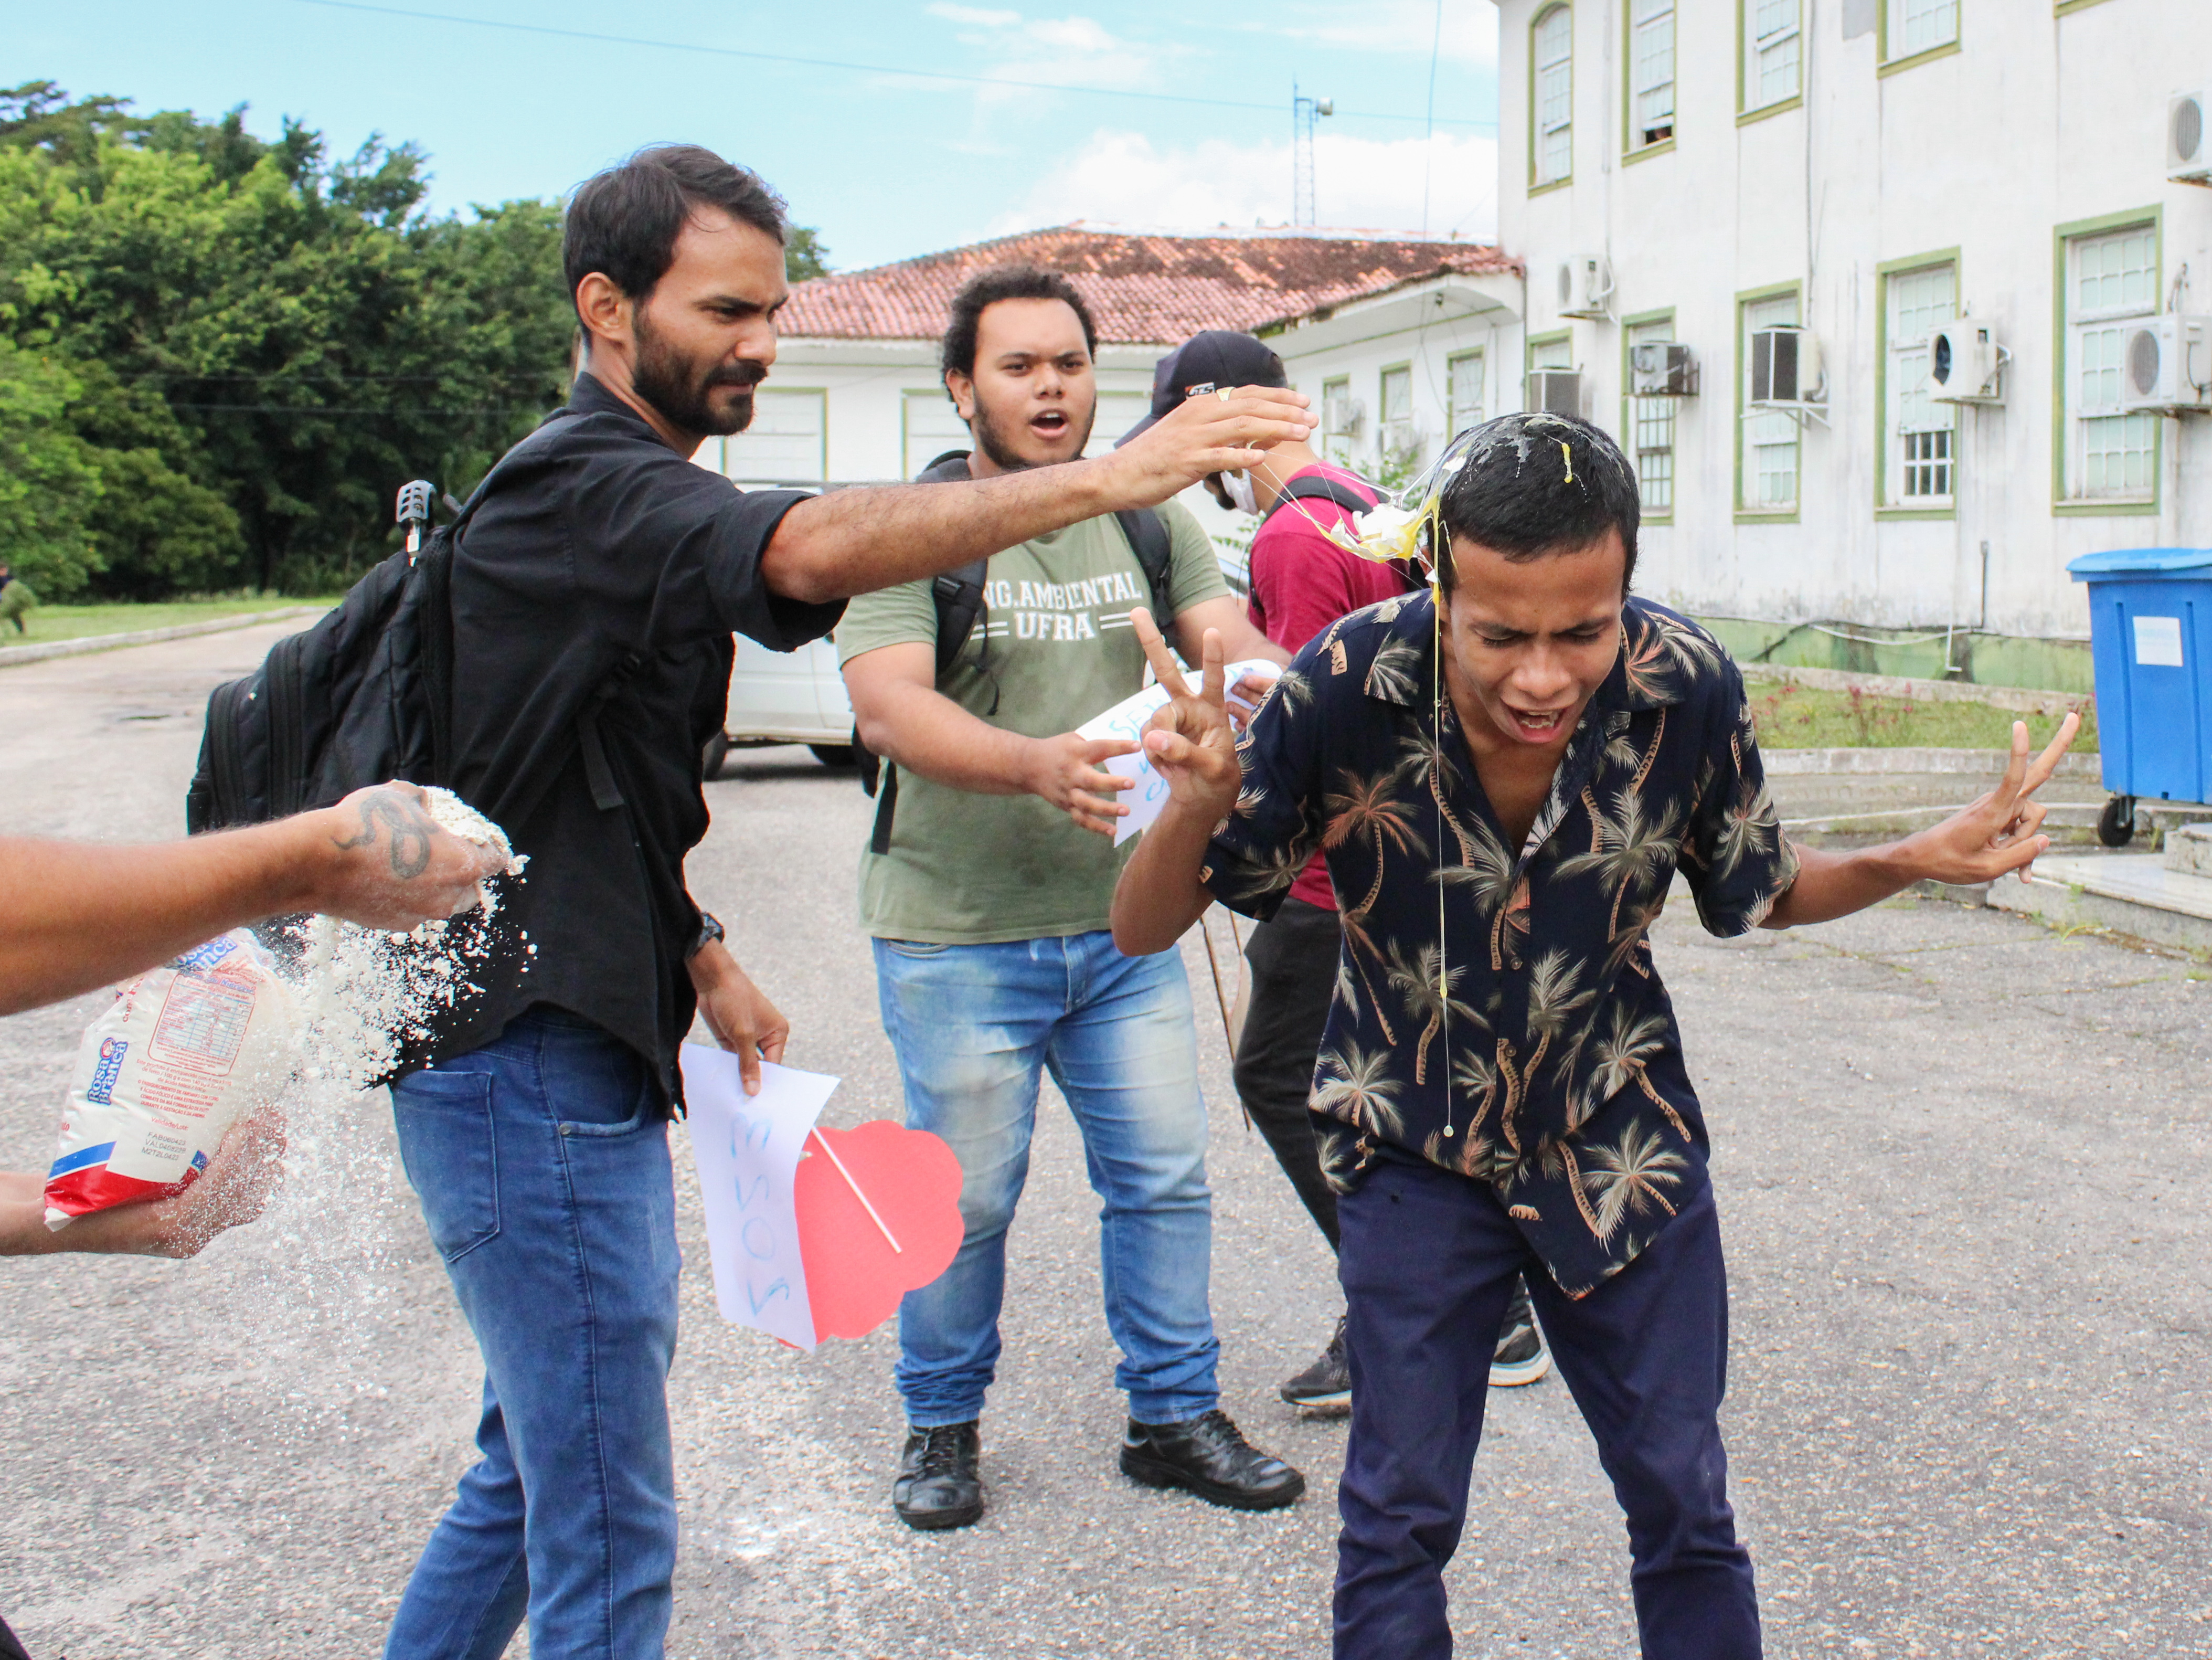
(989, 908)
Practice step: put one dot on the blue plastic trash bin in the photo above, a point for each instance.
(2150, 635)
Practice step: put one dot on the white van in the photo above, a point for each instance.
(786, 697)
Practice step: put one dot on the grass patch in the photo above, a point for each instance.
(48, 623)
(1790, 716)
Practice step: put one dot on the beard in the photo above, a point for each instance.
(992, 438)
(682, 389)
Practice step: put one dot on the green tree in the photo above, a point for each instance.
(804, 256)
(286, 337)
(48, 483)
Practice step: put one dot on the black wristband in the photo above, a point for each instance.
(709, 931)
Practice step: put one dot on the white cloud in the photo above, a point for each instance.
(1070, 51)
(1469, 33)
(1362, 184)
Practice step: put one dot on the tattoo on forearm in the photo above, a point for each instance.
(410, 835)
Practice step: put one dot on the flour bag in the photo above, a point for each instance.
(164, 1072)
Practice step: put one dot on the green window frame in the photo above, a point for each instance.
(1911, 33)
(1463, 389)
(1647, 71)
(1551, 98)
(1647, 424)
(1770, 69)
(1335, 440)
(1915, 455)
(2088, 310)
(1768, 447)
(1396, 438)
(814, 469)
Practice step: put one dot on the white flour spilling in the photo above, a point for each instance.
(307, 1276)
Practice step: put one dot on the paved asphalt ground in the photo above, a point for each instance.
(1964, 1166)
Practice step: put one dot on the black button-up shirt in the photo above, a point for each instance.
(601, 566)
(1498, 1012)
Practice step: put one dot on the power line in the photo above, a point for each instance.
(838, 64)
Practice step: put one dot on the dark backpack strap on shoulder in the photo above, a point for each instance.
(1155, 549)
(1320, 488)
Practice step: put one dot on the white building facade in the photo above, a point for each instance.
(1695, 171)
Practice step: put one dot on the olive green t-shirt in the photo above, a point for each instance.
(972, 870)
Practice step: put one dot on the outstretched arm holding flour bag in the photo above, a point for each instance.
(74, 918)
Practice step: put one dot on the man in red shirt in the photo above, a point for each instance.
(1301, 582)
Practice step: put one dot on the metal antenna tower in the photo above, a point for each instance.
(1305, 112)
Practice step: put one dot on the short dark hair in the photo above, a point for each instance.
(1534, 483)
(623, 222)
(988, 287)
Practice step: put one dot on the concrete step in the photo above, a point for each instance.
(2131, 893)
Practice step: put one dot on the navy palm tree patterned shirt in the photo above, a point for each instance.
(1498, 1012)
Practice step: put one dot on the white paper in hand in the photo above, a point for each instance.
(746, 1149)
(1125, 720)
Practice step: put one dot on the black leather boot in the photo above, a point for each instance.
(1209, 1456)
(938, 1484)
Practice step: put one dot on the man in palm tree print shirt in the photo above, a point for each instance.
(1504, 778)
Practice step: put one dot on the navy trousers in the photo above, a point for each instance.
(1428, 1261)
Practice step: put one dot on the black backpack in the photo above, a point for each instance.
(958, 595)
(364, 696)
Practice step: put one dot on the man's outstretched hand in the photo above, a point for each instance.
(1992, 838)
(1229, 430)
(1189, 741)
(1997, 834)
(388, 864)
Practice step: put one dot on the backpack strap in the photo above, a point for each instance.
(1149, 540)
(1319, 487)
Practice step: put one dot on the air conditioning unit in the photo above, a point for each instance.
(1662, 368)
(1785, 368)
(1556, 391)
(1586, 286)
(2166, 363)
(2189, 137)
(1964, 359)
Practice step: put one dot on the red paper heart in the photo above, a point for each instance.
(853, 1278)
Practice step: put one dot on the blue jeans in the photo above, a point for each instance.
(1428, 1262)
(542, 1162)
(973, 1025)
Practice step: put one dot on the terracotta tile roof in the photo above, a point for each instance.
(1144, 288)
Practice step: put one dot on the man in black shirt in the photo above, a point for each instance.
(595, 592)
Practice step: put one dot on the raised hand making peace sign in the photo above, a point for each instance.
(1991, 838)
(1189, 741)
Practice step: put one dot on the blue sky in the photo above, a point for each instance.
(886, 161)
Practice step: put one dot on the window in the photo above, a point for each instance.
(1770, 52)
(1465, 373)
(2113, 278)
(1336, 420)
(786, 444)
(931, 426)
(1767, 476)
(1918, 26)
(1650, 72)
(1117, 412)
(1651, 427)
(1923, 434)
(1552, 107)
(1398, 441)
(1556, 353)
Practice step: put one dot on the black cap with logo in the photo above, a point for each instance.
(1215, 361)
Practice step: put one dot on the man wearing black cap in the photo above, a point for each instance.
(986, 884)
(1301, 582)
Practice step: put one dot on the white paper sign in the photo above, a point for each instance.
(1126, 720)
(746, 1149)
(2158, 642)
